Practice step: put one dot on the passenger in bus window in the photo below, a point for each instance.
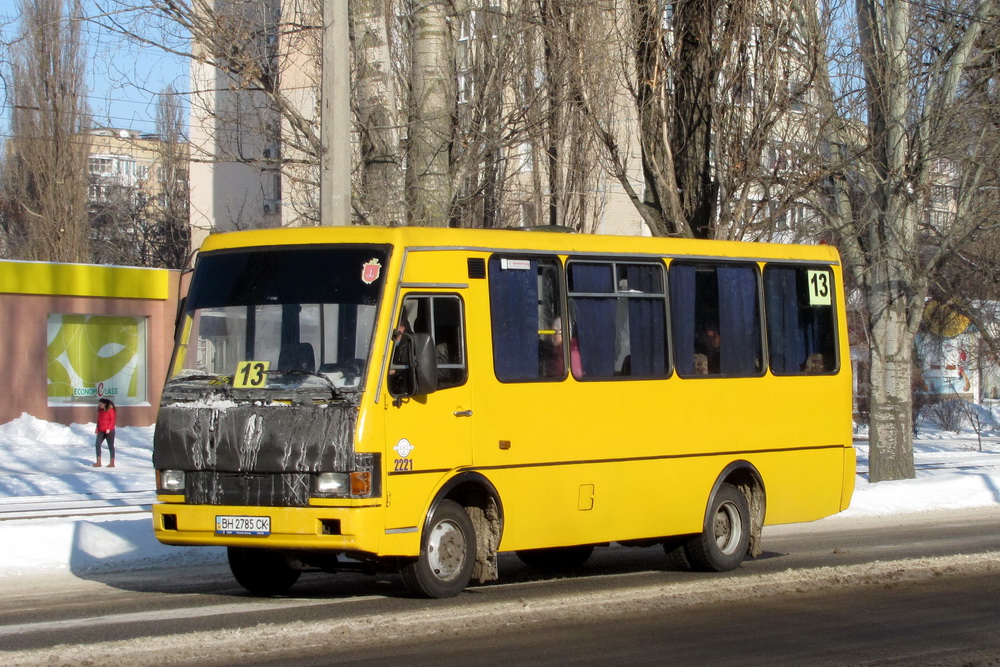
(700, 364)
(550, 352)
(815, 363)
(574, 350)
(555, 364)
(710, 344)
(400, 347)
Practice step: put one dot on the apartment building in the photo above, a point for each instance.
(137, 199)
(121, 159)
(238, 138)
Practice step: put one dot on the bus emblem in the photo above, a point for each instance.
(370, 271)
(403, 447)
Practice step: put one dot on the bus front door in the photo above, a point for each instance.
(429, 435)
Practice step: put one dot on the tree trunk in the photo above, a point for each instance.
(551, 12)
(661, 206)
(432, 102)
(892, 243)
(693, 121)
(891, 417)
(381, 191)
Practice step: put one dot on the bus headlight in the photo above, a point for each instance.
(343, 485)
(171, 481)
(333, 483)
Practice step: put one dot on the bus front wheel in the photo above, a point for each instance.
(262, 571)
(447, 554)
(723, 544)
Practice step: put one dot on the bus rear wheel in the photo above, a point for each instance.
(262, 571)
(556, 558)
(447, 554)
(723, 544)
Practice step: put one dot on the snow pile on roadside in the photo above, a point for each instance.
(951, 473)
(44, 461)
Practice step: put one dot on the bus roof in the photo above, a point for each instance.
(427, 238)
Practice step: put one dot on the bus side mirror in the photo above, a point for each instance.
(414, 366)
(424, 365)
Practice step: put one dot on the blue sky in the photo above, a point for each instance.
(123, 79)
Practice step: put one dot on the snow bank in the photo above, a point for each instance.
(38, 458)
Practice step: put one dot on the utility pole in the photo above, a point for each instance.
(335, 117)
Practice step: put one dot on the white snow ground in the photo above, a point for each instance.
(50, 463)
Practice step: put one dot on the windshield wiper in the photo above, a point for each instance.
(335, 393)
(221, 380)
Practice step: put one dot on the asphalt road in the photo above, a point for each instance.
(917, 589)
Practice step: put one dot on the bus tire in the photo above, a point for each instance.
(447, 554)
(556, 558)
(262, 571)
(723, 544)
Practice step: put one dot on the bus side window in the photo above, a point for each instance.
(715, 319)
(801, 331)
(526, 319)
(440, 316)
(618, 318)
(448, 333)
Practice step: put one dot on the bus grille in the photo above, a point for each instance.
(247, 489)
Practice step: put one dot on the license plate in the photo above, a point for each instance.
(242, 525)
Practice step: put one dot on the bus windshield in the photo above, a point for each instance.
(279, 315)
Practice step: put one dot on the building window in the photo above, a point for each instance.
(103, 166)
(525, 159)
(466, 87)
(797, 94)
(467, 27)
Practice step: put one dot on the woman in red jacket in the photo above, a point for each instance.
(105, 430)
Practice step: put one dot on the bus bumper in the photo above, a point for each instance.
(340, 529)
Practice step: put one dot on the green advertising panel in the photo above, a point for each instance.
(96, 356)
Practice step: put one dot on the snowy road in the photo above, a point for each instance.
(885, 590)
(910, 569)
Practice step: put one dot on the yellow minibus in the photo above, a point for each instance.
(420, 400)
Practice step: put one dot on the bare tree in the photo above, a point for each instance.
(255, 75)
(475, 99)
(716, 89)
(379, 198)
(913, 59)
(431, 109)
(574, 49)
(122, 227)
(45, 174)
(173, 228)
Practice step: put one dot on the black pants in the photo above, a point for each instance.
(110, 439)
